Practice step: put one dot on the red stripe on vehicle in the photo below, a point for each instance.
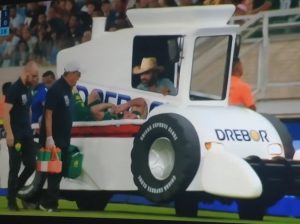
(106, 131)
(128, 130)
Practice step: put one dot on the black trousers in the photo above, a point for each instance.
(27, 155)
(51, 196)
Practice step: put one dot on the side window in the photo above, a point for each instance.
(156, 63)
(210, 68)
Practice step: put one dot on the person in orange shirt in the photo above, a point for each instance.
(240, 93)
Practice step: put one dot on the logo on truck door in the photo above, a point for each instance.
(242, 135)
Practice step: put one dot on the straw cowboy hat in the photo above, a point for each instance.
(146, 65)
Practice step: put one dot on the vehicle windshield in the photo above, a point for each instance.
(210, 68)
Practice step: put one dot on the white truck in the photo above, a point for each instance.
(192, 146)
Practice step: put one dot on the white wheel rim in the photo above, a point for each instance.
(161, 158)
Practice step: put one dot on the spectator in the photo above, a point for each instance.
(29, 39)
(74, 31)
(259, 6)
(57, 30)
(93, 8)
(95, 110)
(56, 128)
(43, 46)
(247, 7)
(244, 8)
(70, 7)
(240, 92)
(117, 18)
(149, 74)
(9, 45)
(19, 134)
(39, 96)
(42, 21)
(33, 11)
(105, 7)
(16, 20)
(21, 54)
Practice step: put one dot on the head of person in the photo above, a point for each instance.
(5, 87)
(72, 73)
(105, 7)
(30, 75)
(48, 78)
(237, 67)
(119, 5)
(148, 71)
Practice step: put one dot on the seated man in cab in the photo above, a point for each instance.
(149, 73)
(95, 110)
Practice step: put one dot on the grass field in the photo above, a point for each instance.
(138, 212)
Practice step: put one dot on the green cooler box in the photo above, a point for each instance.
(74, 162)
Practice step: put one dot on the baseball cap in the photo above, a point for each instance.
(72, 66)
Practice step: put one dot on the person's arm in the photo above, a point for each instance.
(50, 104)
(248, 97)
(7, 126)
(101, 107)
(136, 104)
(48, 123)
(168, 88)
(265, 6)
(48, 120)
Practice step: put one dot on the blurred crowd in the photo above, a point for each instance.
(39, 30)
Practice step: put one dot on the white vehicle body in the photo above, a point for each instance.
(226, 134)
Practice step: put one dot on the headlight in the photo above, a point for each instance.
(275, 149)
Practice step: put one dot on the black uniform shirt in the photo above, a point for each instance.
(20, 97)
(59, 99)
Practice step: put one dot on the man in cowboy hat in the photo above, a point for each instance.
(149, 71)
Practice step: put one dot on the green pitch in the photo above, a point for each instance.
(129, 211)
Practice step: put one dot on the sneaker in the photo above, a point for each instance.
(44, 208)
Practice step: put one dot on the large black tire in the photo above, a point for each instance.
(171, 137)
(92, 200)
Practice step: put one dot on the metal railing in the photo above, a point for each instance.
(258, 31)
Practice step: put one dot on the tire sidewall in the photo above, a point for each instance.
(185, 142)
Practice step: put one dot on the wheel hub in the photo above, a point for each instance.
(161, 158)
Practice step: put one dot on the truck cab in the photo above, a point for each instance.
(195, 52)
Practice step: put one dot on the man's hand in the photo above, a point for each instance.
(10, 139)
(50, 142)
(165, 91)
